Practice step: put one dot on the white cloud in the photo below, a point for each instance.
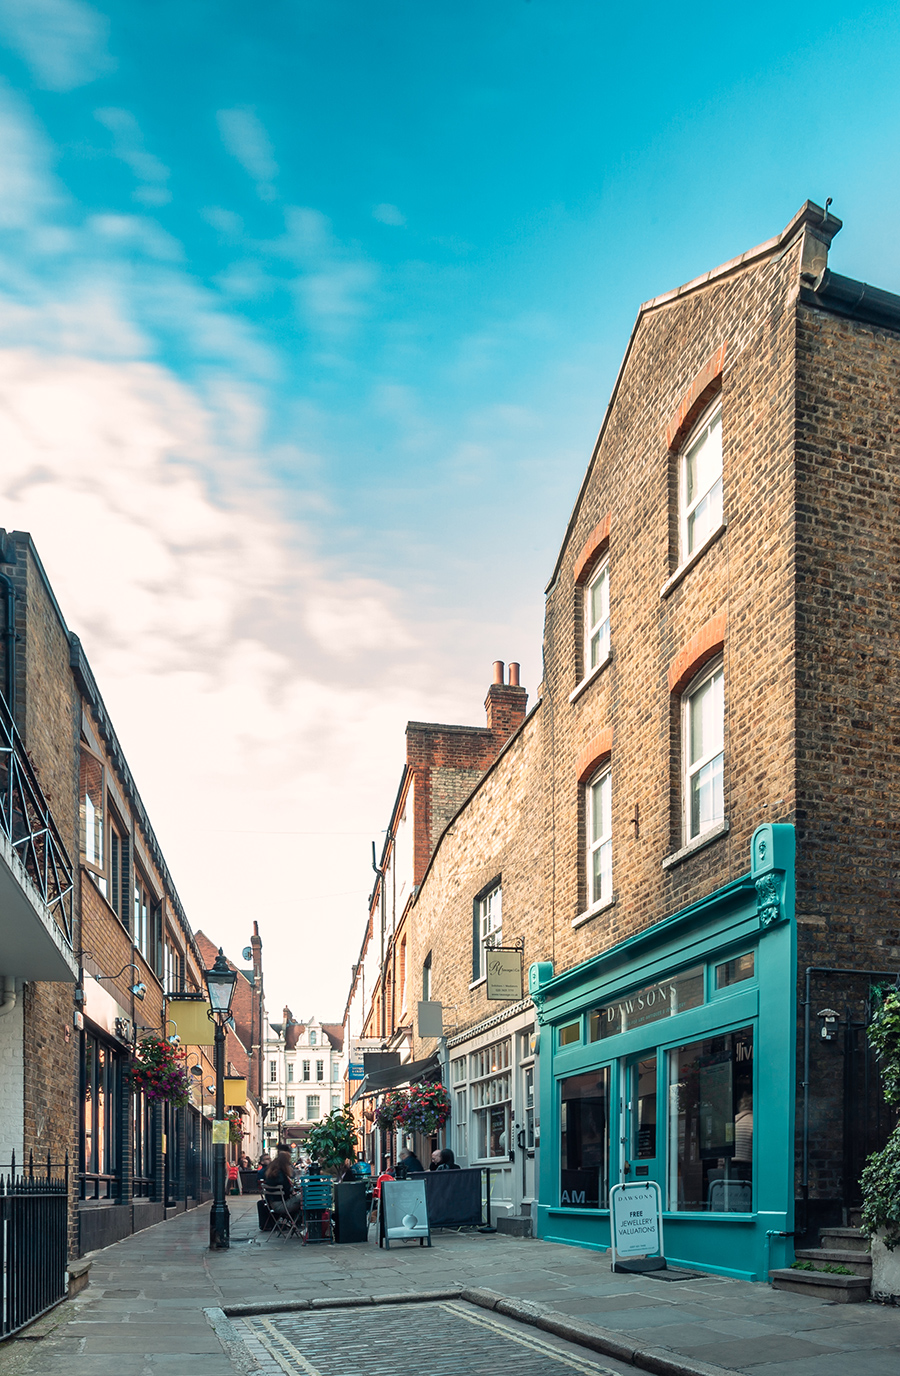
(63, 42)
(245, 138)
(26, 186)
(128, 142)
(388, 214)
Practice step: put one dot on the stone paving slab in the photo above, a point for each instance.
(144, 1311)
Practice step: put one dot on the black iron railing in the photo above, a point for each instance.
(26, 819)
(33, 1240)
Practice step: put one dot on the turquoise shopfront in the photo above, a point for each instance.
(671, 1057)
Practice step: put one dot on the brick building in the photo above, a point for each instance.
(720, 643)
(97, 936)
(443, 765)
(697, 822)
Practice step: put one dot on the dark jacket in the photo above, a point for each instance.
(408, 1166)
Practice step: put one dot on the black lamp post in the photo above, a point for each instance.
(220, 983)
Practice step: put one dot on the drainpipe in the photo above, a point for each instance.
(9, 994)
(380, 873)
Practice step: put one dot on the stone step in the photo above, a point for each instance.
(849, 1239)
(860, 1263)
(821, 1285)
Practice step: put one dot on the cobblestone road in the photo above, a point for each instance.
(445, 1339)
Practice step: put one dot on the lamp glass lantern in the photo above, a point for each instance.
(220, 984)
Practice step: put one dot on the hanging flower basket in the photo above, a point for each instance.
(390, 1110)
(160, 1073)
(235, 1118)
(426, 1110)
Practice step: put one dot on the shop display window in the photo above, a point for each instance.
(570, 1034)
(734, 971)
(711, 1124)
(584, 1140)
(661, 1000)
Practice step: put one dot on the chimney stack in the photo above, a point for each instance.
(505, 703)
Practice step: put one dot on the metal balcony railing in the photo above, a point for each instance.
(25, 817)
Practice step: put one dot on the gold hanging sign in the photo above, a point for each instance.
(192, 1023)
(221, 1131)
(235, 1091)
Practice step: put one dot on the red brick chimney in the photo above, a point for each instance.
(505, 703)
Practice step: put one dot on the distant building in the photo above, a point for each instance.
(303, 1068)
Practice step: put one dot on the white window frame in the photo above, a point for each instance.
(290, 1107)
(489, 923)
(599, 628)
(712, 671)
(310, 1100)
(603, 780)
(710, 419)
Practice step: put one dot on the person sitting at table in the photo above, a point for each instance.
(443, 1160)
(407, 1164)
(278, 1186)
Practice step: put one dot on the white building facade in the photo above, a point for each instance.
(303, 1077)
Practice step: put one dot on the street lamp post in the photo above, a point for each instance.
(220, 982)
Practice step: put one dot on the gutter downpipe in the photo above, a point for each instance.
(9, 995)
(810, 971)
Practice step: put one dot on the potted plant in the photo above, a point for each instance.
(880, 1181)
(159, 1071)
(426, 1110)
(390, 1110)
(332, 1140)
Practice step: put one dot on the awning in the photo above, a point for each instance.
(377, 1081)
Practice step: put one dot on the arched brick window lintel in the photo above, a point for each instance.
(708, 642)
(696, 398)
(593, 549)
(594, 754)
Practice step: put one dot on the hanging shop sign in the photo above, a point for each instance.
(504, 973)
(356, 1071)
(192, 1021)
(235, 1087)
(637, 1230)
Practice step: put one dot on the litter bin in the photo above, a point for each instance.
(351, 1222)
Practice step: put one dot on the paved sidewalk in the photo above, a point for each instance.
(145, 1312)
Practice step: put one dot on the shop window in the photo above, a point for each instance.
(100, 1120)
(142, 1146)
(312, 1106)
(734, 971)
(584, 1140)
(570, 1034)
(462, 1125)
(458, 1070)
(491, 1092)
(703, 747)
(596, 618)
(487, 926)
(642, 1006)
(528, 1104)
(711, 1125)
(599, 838)
(701, 483)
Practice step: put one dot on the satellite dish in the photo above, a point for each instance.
(247, 953)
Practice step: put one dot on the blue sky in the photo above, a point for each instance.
(308, 316)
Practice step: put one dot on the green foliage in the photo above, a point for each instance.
(880, 1184)
(390, 1110)
(826, 1266)
(333, 1139)
(880, 1180)
(884, 1036)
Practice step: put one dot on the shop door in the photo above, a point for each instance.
(641, 1147)
(525, 1135)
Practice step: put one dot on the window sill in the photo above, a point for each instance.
(699, 843)
(685, 568)
(582, 918)
(476, 983)
(589, 678)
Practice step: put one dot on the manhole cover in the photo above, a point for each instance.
(447, 1339)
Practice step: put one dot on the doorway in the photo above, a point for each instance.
(640, 1158)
